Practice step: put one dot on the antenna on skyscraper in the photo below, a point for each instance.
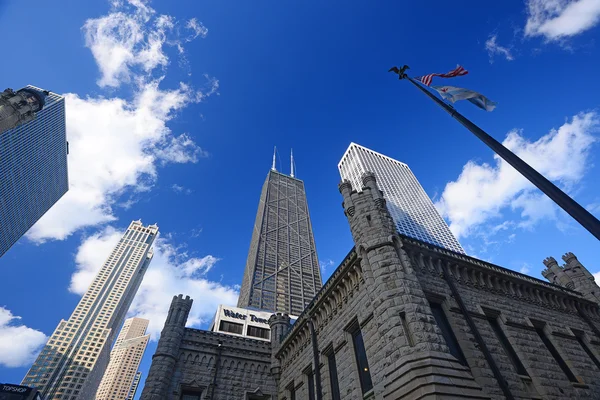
(292, 162)
(273, 166)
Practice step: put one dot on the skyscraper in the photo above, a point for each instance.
(282, 270)
(33, 166)
(125, 358)
(410, 207)
(74, 360)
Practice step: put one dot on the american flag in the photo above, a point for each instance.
(458, 71)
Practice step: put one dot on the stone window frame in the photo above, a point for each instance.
(331, 350)
(584, 337)
(449, 312)
(548, 333)
(500, 318)
(307, 373)
(349, 330)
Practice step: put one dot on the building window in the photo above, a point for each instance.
(232, 327)
(333, 377)
(292, 390)
(508, 349)
(444, 325)
(579, 336)
(361, 361)
(255, 331)
(561, 363)
(310, 377)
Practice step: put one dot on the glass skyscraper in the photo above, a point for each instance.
(33, 169)
(282, 271)
(412, 210)
(75, 358)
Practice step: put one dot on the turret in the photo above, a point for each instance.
(397, 301)
(167, 352)
(280, 325)
(572, 275)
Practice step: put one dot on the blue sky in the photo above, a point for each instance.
(173, 110)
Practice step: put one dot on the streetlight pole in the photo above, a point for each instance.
(574, 209)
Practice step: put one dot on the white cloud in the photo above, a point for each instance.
(493, 48)
(483, 191)
(114, 146)
(19, 344)
(525, 268)
(132, 39)
(559, 19)
(597, 277)
(171, 272)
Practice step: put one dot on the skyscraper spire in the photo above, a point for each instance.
(292, 162)
(273, 166)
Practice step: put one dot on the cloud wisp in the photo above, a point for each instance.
(494, 49)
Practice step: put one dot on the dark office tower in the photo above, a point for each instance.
(33, 159)
(282, 271)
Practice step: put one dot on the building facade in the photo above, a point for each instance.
(33, 168)
(134, 386)
(75, 358)
(192, 364)
(125, 357)
(412, 210)
(241, 322)
(282, 271)
(401, 318)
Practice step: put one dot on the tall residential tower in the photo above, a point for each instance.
(412, 210)
(282, 270)
(33, 161)
(75, 358)
(122, 375)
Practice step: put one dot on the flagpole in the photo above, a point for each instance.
(574, 209)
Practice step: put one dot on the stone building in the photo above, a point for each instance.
(401, 319)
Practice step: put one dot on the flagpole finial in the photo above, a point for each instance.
(400, 71)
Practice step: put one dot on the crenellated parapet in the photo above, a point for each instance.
(572, 275)
(493, 278)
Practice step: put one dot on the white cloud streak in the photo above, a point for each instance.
(560, 19)
(493, 49)
(483, 192)
(171, 272)
(19, 344)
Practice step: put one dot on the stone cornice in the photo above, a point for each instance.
(489, 277)
(326, 303)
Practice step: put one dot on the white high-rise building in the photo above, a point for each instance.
(412, 210)
(75, 358)
(120, 377)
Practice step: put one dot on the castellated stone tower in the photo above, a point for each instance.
(403, 331)
(164, 360)
(573, 275)
(280, 325)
